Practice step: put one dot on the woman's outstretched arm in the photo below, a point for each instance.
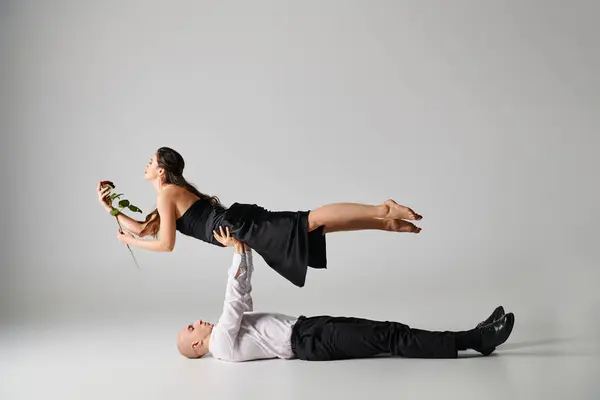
(166, 235)
(132, 225)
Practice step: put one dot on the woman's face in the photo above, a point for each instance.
(152, 169)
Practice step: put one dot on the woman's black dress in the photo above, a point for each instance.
(280, 237)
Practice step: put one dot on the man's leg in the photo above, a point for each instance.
(338, 338)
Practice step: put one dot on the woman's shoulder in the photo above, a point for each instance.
(167, 195)
(174, 192)
(178, 198)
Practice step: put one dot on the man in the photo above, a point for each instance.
(242, 334)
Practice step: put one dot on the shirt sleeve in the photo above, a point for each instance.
(237, 298)
(250, 269)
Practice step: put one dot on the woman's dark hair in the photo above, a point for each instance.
(172, 162)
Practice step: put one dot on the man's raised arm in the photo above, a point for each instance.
(249, 270)
(238, 298)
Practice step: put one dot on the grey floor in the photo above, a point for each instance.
(137, 359)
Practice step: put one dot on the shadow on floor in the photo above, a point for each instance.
(551, 353)
(515, 348)
(537, 342)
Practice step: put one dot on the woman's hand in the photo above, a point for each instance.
(124, 237)
(226, 240)
(103, 193)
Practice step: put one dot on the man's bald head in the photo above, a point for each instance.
(193, 340)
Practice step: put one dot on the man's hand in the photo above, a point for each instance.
(226, 240)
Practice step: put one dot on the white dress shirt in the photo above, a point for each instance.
(241, 334)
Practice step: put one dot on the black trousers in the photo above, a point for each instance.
(324, 338)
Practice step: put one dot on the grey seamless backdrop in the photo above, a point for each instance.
(480, 115)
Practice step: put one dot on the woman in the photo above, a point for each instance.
(288, 241)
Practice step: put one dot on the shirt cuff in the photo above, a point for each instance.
(239, 261)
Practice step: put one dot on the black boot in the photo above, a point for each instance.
(498, 312)
(496, 333)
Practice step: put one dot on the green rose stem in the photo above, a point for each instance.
(114, 212)
(121, 228)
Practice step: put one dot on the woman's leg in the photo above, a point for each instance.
(390, 225)
(352, 216)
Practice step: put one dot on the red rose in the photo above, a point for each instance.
(107, 183)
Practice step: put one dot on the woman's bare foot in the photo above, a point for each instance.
(399, 225)
(398, 211)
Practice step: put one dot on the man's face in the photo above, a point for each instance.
(194, 337)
